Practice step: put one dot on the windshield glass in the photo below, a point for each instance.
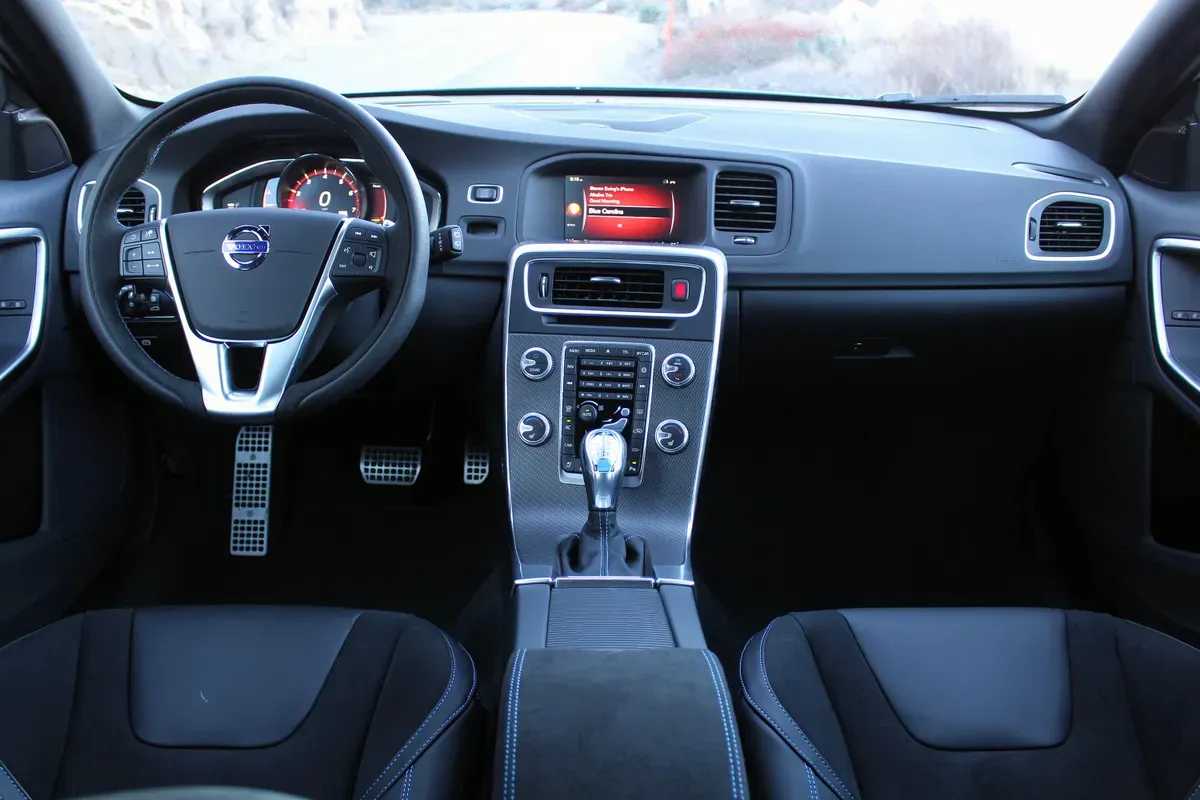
(845, 48)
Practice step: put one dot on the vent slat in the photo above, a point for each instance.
(744, 217)
(638, 289)
(1081, 229)
(131, 210)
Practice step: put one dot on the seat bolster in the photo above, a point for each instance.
(760, 701)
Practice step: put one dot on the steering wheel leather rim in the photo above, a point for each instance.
(406, 282)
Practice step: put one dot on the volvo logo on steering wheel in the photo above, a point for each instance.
(246, 246)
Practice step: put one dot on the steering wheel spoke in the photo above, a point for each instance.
(257, 289)
(224, 385)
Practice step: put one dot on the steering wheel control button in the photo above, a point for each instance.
(133, 254)
(149, 234)
(133, 237)
(132, 269)
(678, 370)
(151, 250)
(153, 269)
(534, 429)
(671, 436)
(536, 364)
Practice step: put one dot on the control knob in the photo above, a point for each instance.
(536, 364)
(678, 370)
(534, 429)
(671, 436)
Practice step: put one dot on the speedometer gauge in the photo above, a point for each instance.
(321, 183)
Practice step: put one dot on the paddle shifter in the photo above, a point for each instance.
(600, 548)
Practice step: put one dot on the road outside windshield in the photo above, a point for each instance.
(849, 48)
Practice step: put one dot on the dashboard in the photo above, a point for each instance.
(892, 240)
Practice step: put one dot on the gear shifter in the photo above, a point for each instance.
(600, 548)
(603, 468)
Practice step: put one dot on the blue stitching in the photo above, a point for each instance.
(13, 781)
(770, 721)
(724, 724)
(515, 714)
(762, 665)
(728, 700)
(512, 682)
(442, 727)
(407, 788)
(445, 694)
(812, 784)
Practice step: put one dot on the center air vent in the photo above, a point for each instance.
(1069, 226)
(131, 210)
(745, 202)
(597, 287)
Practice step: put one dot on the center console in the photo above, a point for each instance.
(620, 337)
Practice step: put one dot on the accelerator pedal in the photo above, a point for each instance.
(477, 461)
(390, 466)
(251, 491)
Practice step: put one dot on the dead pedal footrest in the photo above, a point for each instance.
(248, 526)
(476, 464)
(390, 466)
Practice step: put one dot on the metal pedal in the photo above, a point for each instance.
(477, 461)
(251, 491)
(390, 466)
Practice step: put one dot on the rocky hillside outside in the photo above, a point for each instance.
(855, 48)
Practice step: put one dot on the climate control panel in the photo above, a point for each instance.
(606, 385)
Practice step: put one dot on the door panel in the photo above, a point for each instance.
(66, 462)
(1130, 447)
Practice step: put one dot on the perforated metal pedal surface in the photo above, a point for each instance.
(390, 466)
(248, 525)
(476, 464)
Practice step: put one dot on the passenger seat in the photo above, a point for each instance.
(969, 704)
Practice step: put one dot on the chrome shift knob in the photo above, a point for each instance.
(603, 468)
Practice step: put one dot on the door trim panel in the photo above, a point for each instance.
(1162, 344)
(37, 312)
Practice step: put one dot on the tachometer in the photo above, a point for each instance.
(321, 183)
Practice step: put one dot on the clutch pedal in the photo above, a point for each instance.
(251, 491)
(476, 464)
(390, 466)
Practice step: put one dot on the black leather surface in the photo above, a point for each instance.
(971, 678)
(819, 689)
(393, 716)
(229, 677)
(601, 548)
(266, 302)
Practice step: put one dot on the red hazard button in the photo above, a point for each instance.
(679, 290)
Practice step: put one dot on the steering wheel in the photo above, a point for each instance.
(257, 281)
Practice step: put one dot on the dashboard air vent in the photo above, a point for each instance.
(745, 202)
(1071, 227)
(131, 210)
(596, 287)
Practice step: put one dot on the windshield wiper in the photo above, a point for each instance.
(908, 98)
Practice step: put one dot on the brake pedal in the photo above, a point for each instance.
(476, 464)
(251, 491)
(390, 466)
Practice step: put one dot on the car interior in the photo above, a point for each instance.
(620, 444)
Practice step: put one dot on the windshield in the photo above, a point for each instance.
(844, 48)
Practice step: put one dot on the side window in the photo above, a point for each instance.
(1169, 154)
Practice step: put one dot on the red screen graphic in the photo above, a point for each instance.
(620, 210)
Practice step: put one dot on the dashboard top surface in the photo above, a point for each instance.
(869, 195)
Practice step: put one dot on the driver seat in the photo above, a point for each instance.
(315, 702)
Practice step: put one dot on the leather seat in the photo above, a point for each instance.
(969, 704)
(315, 702)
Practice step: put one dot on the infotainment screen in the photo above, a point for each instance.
(621, 209)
